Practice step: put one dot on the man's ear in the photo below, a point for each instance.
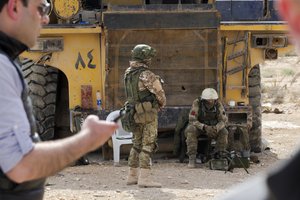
(13, 8)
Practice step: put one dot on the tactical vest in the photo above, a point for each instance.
(30, 190)
(132, 89)
(208, 116)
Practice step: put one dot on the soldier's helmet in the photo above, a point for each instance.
(142, 52)
(209, 94)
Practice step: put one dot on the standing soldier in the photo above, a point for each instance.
(207, 117)
(145, 95)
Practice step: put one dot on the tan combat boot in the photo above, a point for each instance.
(145, 179)
(132, 178)
(192, 162)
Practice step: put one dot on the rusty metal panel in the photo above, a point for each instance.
(187, 60)
(86, 97)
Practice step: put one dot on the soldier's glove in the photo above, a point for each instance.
(204, 128)
(211, 129)
(198, 125)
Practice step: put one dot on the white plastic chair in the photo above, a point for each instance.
(120, 136)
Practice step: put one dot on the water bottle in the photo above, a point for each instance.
(98, 99)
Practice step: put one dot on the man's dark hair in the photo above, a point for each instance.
(3, 2)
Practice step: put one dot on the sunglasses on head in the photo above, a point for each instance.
(44, 9)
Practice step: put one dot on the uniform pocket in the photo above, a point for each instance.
(145, 113)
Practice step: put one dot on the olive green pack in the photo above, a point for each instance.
(219, 164)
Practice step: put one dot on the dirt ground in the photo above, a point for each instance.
(101, 180)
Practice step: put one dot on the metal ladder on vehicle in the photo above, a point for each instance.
(244, 53)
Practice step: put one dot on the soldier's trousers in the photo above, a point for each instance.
(144, 144)
(192, 134)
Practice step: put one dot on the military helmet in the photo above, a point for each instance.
(142, 52)
(209, 94)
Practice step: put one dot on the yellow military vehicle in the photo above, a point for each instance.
(82, 54)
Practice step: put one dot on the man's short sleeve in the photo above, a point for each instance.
(13, 146)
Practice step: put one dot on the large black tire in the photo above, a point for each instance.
(255, 102)
(42, 85)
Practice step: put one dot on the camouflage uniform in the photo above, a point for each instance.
(145, 136)
(145, 97)
(200, 117)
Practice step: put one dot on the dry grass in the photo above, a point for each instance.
(280, 80)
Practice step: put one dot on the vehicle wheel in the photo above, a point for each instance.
(42, 86)
(255, 102)
(255, 91)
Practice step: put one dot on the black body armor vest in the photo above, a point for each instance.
(208, 116)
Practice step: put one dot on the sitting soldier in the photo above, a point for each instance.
(207, 117)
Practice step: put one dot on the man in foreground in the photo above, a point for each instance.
(24, 163)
